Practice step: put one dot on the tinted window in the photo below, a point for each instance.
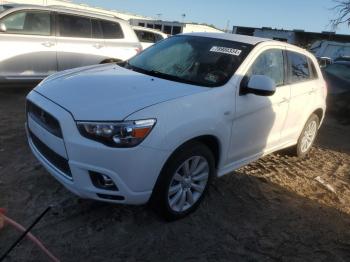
(111, 30)
(96, 29)
(195, 60)
(145, 36)
(269, 63)
(28, 22)
(158, 37)
(74, 26)
(298, 67)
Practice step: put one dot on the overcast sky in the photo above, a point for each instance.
(310, 15)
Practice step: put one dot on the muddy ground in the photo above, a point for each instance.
(271, 210)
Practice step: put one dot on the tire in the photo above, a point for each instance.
(177, 194)
(307, 137)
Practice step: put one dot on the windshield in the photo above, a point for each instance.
(191, 59)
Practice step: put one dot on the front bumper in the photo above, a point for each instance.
(133, 170)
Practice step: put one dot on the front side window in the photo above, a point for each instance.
(28, 23)
(195, 60)
(74, 26)
(269, 63)
(298, 67)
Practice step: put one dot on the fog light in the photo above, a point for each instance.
(102, 181)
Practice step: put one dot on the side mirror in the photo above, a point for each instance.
(3, 27)
(260, 85)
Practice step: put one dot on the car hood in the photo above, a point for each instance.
(109, 92)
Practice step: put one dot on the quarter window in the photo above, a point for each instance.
(313, 69)
(74, 26)
(298, 67)
(111, 30)
(28, 23)
(145, 36)
(269, 63)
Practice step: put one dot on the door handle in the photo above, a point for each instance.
(284, 100)
(98, 46)
(48, 44)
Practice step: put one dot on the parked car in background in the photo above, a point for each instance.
(337, 76)
(148, 36)
(36, 41)
(160, 126)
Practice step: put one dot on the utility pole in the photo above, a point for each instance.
(227, 26)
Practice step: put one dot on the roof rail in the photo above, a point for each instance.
(85, 11)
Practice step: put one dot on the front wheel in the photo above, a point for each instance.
(183, 181)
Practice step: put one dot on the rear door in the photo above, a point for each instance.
(303, 83)
(76, 46)
(28, 47)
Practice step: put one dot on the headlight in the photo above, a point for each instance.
(117, 134)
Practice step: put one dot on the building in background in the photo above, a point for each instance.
(296, 37)
(173, 28)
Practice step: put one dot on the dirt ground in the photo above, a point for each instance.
(275, 209)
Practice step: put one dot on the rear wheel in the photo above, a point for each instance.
(307, 137)
(183, 181)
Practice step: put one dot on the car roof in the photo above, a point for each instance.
(148, 29)
(58, 8)
(252, 40)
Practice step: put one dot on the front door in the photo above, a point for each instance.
(28, 47)
(259, 120)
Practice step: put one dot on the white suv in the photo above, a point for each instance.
(36, 41)
(159, 127)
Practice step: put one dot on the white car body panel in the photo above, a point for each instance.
(246, 127)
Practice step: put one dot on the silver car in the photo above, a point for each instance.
(36, 41)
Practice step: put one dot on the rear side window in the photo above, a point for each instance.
(145, 36)
(28, 23)
(269, 63)
(74, 26)
(298, 67)
(96, 29)
(111, 30)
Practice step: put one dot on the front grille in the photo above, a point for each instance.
(56, 160)
(44, 119)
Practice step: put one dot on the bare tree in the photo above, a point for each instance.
(342, 9)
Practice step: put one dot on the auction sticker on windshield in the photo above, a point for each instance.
(226, 50)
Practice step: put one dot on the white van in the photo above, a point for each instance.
(36, 41)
